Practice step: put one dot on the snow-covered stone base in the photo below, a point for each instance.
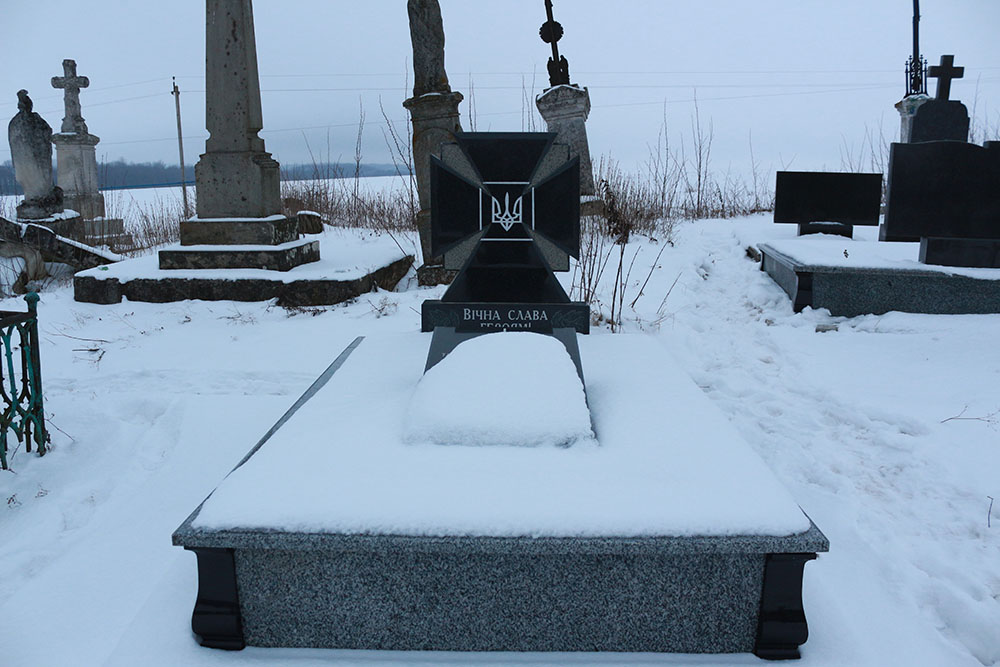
(352, 264)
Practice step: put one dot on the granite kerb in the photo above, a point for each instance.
(811, 541)
(797, 265)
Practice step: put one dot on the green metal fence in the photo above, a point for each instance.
(22, 406)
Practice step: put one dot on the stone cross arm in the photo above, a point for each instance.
(70, 81)
(71, 84)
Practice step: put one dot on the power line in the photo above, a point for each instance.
(864, 88)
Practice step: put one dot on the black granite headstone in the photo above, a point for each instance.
(945, 190)
(505, 284)
(940, 120)
(827, 202)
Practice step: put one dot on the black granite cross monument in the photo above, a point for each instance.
(944, 73)
(499, 210)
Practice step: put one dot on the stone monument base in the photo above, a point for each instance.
(851, 278)
(982, 253)
(109, 232)
(429, 275)
(242, 184)
(295, 275)
(270, 243)
(283, 257)
(55, 247)
(636, 576)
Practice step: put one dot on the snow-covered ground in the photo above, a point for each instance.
(150, 405)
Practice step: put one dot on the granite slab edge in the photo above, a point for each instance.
(809, 541)
(796, 265)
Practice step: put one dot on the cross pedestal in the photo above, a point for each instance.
(435, 121)
(76, 166)
(565, 110)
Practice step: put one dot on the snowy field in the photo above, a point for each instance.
(151, 405)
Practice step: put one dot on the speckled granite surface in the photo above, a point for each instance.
(851, 291)
(666, 594)
(691, 594)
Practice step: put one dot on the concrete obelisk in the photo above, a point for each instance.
(237, 180)
(239, 200)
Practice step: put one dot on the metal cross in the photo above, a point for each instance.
(944, 73)
(551, 32)
(71, 83)
(916, 66)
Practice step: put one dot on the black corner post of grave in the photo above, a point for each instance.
(217, 620)
(781, 624)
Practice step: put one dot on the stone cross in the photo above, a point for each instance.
(944, 73)
(71, 83)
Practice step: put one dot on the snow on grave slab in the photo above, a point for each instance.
(668, 535)
(666, 462)
(518, 389)
(352, 262)
(860, 277)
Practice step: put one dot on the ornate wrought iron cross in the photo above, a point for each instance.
(916, 66)
(551, 32)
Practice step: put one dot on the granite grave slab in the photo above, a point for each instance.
(861, 277)
(382, 545)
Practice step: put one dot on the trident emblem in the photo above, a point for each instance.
(506, 217)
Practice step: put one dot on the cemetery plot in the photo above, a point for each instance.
(382, 544)
(942, 191)
(851, 278)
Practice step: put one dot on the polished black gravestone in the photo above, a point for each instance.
(499, 212)
(946, 194)
(827, 202)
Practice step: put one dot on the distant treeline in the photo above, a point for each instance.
(121, 174)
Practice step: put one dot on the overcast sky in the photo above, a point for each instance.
(802, 78)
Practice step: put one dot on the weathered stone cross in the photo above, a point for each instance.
(944, 73)
(71, 83)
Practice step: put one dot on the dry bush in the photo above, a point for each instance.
(155, 223)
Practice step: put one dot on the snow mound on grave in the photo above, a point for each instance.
(516, 389)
